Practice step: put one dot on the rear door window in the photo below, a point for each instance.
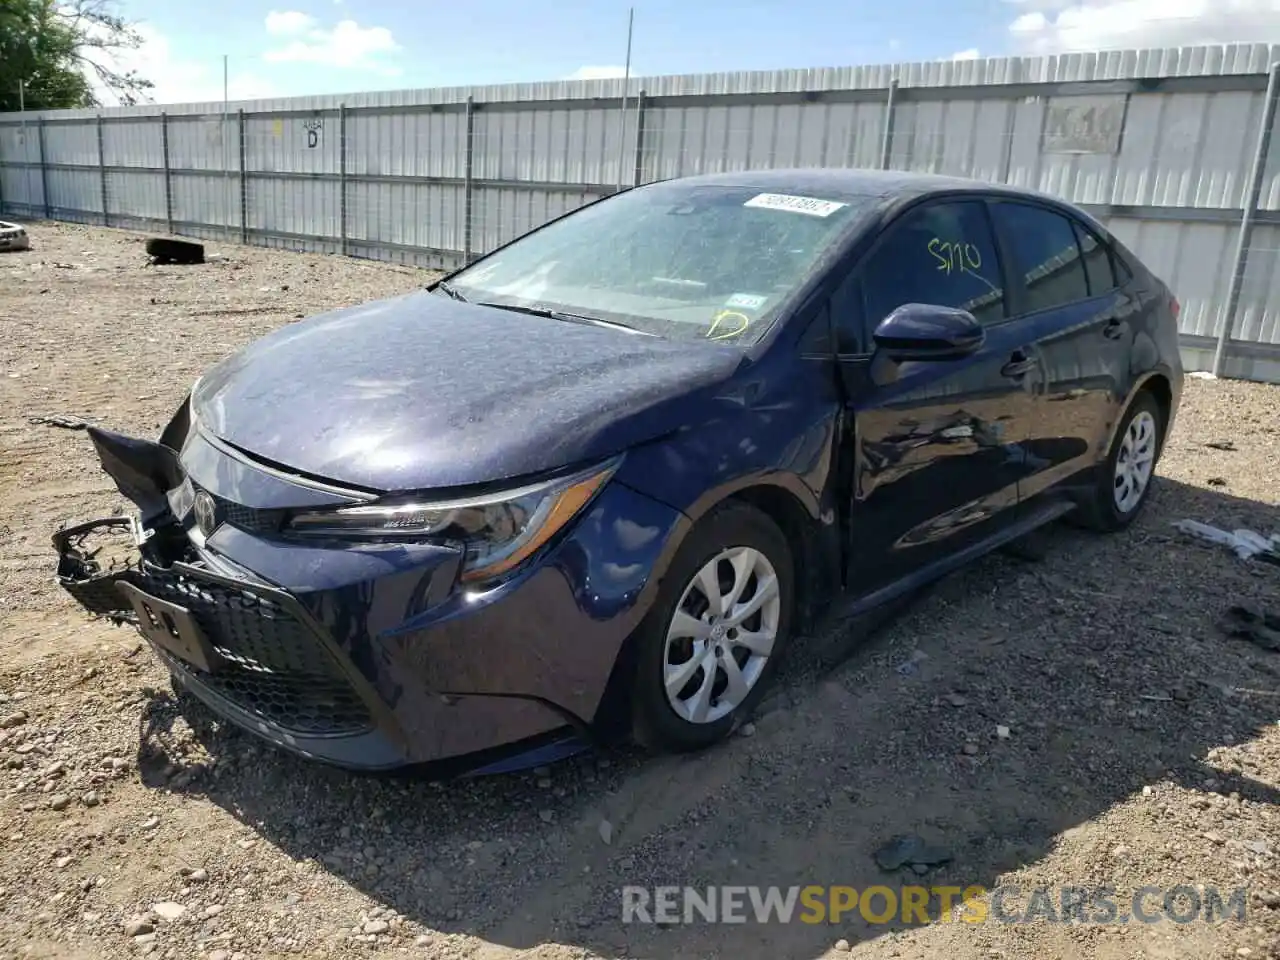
(1097, 261)
(1045, 255)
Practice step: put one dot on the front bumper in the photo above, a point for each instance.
(373, 662)
(277, 673)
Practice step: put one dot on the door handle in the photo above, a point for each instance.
(1019, 365)
(1114, 328)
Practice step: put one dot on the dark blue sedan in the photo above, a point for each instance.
(597, 482)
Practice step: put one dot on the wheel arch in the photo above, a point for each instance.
(1159, 384)
(786, 501)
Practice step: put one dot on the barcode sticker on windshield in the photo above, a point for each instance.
(781, 201)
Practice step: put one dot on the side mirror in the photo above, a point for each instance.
(925, 331)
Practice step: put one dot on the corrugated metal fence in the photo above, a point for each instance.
(1158, 144)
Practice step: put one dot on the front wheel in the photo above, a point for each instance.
(712, 641)
(1126, 477)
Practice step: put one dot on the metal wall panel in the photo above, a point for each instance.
(20, 142)
(1188, 149)
(1196, 260)
(206, 198)
(135, 194)
(307, 144)
(75, 190)
(71, 143)
(408, 214)
(205, 144)
(691, 140)
(504, 213)
(22, 191)
(135, 144)
(1204, 61)
(220, 234)
(1259, 318)
(524, 145)
(302, 207)
(416, 144)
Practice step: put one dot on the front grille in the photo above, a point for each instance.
(246, 518)
(273, 666)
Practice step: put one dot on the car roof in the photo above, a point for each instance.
(853, 183)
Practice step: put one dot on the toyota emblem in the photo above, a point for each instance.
(206, 513)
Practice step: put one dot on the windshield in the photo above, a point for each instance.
(688, 262)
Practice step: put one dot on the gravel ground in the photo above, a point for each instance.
(1072, 720)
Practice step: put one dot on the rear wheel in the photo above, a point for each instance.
(1126, 478)
(712, 641)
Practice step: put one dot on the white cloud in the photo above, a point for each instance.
(182, 79)
(1054, 26)
(970, 54)
(288, 23)
(346, 44)
(597, 73)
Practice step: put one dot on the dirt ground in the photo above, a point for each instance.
(1077, 720)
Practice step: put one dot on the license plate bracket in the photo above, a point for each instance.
(171, 627)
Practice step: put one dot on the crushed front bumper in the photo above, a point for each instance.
(256, 656)
(366, 656)
(252, 653)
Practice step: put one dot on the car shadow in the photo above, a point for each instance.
(1101, 663)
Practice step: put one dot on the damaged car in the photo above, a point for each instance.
(13, 237)
(596, 484)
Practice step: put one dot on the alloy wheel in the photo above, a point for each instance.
(721, 635)
(1135, 462)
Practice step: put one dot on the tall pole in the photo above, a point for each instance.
(226, 157)
(1253, 193)
(26, 148)
(886, 128)
(626, 82)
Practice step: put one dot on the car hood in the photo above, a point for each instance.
(420, 391)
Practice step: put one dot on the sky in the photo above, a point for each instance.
(298, 47)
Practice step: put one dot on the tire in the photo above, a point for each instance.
(1142, 424)
(705, 709)
(163, 250)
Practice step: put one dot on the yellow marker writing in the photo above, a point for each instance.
(954, 255)
(740, 323)
(944, 263)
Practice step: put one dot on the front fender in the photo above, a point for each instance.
(780, 460)
(787, 444)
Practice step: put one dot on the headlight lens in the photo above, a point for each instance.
(497, 531)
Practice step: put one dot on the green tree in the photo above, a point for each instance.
(56, 54)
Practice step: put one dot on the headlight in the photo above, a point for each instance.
(496, 531)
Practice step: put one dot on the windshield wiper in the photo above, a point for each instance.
(567, 317)
(448, 291)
